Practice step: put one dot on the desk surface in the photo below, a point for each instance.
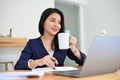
(110, 76)
(50, 76)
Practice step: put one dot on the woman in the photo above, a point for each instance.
(43, 51)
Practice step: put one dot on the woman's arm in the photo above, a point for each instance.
(25, 56)
(75, 54)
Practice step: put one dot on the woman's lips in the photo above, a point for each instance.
(54, 30)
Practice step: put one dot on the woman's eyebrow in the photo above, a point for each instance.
(55, 19)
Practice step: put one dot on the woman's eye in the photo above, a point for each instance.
(52, 20)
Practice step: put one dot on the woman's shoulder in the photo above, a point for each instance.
(34, 40)
(34, 43)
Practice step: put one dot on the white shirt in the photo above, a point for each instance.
(51, 53)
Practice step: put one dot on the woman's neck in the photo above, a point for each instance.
(47, 38)
(47, 41)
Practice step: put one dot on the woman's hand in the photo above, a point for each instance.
(73, 41)
(75, 51)
(48, 61)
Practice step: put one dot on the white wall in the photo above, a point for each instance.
(98, 15)
(23, 17)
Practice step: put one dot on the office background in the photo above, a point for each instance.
(84, 18)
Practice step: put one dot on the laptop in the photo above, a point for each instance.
(103, 57)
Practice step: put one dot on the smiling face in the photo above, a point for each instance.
(52, 24)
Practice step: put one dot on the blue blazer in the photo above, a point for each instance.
(36, 50)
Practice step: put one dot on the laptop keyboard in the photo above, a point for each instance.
(72, 73)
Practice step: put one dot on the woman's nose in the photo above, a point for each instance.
(56, 24)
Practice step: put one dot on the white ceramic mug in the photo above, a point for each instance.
(63, 40)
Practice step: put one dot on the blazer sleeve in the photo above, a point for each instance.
(26, 54)
(72, 57)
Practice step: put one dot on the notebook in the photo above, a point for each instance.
(103, 57)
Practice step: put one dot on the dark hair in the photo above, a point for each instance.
(43, 18)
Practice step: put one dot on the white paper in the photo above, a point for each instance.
(56, 69)
(18, 75)
(34, 72)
